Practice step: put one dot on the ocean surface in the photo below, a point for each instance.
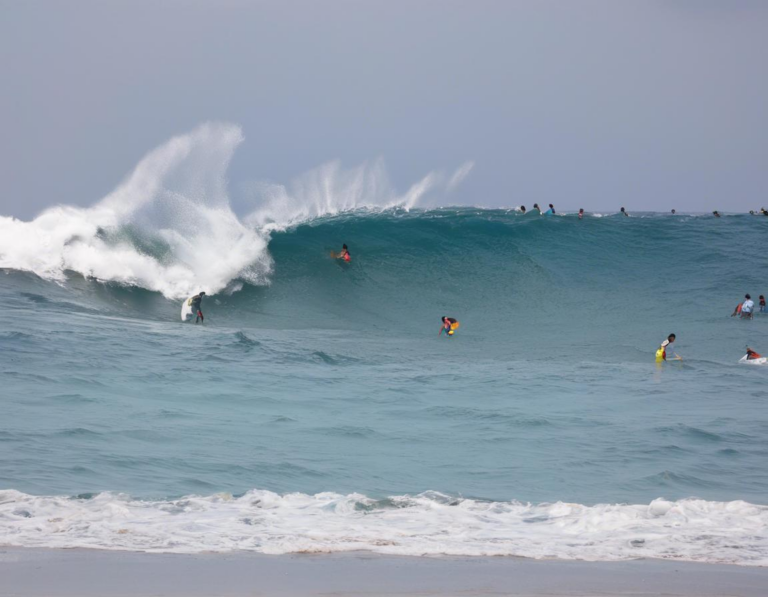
(317, 410)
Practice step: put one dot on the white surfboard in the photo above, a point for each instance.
(186, 310)
(760, 361)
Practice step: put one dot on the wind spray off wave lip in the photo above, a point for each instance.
(167, 228)
(170, 227)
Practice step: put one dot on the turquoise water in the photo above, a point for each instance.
(332, 378)
(317, 410)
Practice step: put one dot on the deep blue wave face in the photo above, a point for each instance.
(333, 377)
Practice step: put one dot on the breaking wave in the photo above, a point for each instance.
(430, 523)
(169, 227)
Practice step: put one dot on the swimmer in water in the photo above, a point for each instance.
(623, 212)
(716, 214)
(581, 213)
(522, 209)
(661, 353)
(449, 326)
(673, 212)
(537, 208)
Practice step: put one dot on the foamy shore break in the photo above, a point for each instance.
(28, 572)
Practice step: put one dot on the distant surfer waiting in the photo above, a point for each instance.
(450, 325)
(744, 309)
(343, 254)
(661, 353)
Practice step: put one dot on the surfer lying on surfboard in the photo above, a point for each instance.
(343, 254)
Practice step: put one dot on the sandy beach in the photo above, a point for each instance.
(85, 573)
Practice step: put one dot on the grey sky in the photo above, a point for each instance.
(652, 105)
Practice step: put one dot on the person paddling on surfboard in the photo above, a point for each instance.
(195, 302)
(661, 353)
(450, 325)
(343, 254)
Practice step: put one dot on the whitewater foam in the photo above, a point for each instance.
(174, 201)
(427, 524)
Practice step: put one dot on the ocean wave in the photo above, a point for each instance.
(428, 524)
(170, 226)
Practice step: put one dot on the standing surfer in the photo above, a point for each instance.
(195, 303)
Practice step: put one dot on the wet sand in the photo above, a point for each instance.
(26, 572)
